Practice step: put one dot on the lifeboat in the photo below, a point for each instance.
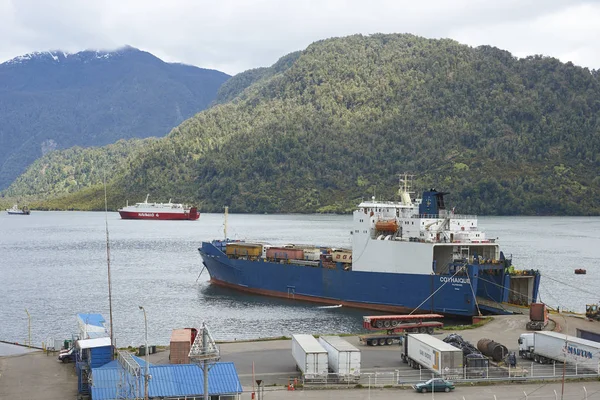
(580, 271)
(387, 226)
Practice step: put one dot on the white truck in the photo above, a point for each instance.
(343, 358)
(425, 351)
(310, 357)
(547, 347)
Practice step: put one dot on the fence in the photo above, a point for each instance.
(408, 376)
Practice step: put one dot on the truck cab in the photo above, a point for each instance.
(526, 345)
(67, 355)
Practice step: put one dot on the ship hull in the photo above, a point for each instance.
(158, 215)
(389, 292)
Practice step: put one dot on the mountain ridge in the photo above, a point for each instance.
(505, 135)
(54, 100)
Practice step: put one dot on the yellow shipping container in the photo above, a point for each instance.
(244, 249)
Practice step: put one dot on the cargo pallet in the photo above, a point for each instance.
(396, 326)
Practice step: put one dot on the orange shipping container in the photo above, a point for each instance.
(284, 253)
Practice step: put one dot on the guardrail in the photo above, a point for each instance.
(524, 371)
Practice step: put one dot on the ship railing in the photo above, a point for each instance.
(448, 215)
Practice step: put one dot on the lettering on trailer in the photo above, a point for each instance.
(425, 354)
(579, 352)
(445, 279)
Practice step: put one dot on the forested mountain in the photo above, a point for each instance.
(58, 173)
(55, 100)
(344, 117)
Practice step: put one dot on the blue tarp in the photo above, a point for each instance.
(167, 380)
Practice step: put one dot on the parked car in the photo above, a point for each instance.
(67, 356)
(434, 385)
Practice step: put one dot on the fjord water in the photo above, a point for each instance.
(54, 265)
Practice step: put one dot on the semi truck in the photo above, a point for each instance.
(343, 358)
(425, 351)
(311, 358)
(546, 347)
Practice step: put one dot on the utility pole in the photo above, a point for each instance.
(29, 328)
(204, 351)
(146, 375)
(205, 362)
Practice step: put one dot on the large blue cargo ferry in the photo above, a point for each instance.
(408, 255)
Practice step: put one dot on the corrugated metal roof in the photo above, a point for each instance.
(169, 380)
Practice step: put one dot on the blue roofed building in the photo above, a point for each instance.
(113, 381)
(91, 326)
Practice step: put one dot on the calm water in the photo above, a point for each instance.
(54, 265)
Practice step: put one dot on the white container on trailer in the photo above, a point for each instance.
(549, 346)
(343, 358)
(434, 354)
(310, 357)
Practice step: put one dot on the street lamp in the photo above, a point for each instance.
(146, 376)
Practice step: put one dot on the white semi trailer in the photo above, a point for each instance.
(547, 347)
(343, 358)
(426, 351)
(310, 357)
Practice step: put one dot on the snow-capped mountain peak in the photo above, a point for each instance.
(57, 56)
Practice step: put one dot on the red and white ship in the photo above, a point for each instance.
(166, 211)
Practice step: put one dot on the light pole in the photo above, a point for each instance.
(146, 376)
(562, 392)
(28, 327)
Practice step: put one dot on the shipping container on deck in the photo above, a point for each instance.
(343, 358)
(244, 250)
(285, 253)
(343, 256)
(181, 342)
(310, 356)
(312, 254)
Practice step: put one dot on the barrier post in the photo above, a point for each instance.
(585, 391)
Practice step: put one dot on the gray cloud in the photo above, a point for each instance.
(233, 36)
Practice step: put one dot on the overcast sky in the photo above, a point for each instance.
(236, 35)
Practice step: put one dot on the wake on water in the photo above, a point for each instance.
(337, 306)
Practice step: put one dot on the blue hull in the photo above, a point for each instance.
(391, 292)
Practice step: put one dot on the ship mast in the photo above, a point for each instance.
(225, 222)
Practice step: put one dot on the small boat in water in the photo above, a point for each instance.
(15, 210)
(580, 271)
(164, 211)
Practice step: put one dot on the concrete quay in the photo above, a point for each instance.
(40, 375)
